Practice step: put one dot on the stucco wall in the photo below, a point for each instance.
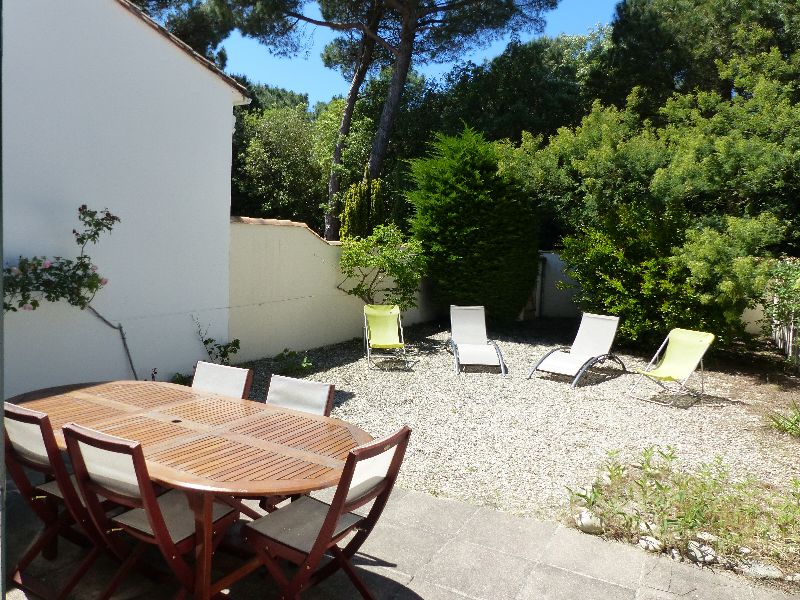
(283, 290)
(98, 108)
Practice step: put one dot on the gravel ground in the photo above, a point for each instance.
(516, 444)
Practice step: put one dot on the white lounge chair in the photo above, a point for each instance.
(592, 345)
(468, 339)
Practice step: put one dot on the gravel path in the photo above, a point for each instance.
(517, 444)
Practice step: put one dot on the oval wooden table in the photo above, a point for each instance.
(207, 444)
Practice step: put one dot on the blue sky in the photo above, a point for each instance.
(306, 74)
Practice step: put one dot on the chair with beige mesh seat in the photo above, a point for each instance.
(468, 340)
(297, 394)
(304, 531)
(112, 468)
(301, 394)
(222, 379)
(592, 346)
(30, 444)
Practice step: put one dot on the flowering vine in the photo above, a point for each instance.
(76, 280)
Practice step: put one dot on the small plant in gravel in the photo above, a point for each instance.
(290, 362)
(739, 521)
(218, 352)
(787, 423)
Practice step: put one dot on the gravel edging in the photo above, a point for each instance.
(516, 444)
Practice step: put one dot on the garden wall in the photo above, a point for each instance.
(283, 293)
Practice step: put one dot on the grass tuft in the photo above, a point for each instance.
(787, 423)
(656, 497)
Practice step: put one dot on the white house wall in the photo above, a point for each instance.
(100, 109)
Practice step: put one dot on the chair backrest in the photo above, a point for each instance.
(300, 394)
(221, 379)
(468, 324)
(382, 324)
(113, 468)
(685, 350)
(595, 335)
(369, 473)
(30, 443)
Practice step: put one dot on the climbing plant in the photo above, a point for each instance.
(76, 280)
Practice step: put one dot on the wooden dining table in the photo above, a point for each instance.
(207, 444)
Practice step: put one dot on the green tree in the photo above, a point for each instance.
(383, 267)
(477, 228)
(281, 174)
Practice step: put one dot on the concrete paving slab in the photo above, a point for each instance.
(612, 562)
(396, 547)
(429, 513)
(687, 580)
(477, 571)
(507, 533)
(551, 583)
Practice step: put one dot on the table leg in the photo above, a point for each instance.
(202, 506)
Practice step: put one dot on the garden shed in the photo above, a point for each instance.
(103, 107)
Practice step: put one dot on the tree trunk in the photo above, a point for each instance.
(360, 73)
(402, 65)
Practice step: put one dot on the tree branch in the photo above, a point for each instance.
(347, 26)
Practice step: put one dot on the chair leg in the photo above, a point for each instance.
(123, 571)
(85, 565)
(348, 568)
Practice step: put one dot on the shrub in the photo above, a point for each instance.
(787, 423)
(477, 228)
(365, 207)
(386, 267)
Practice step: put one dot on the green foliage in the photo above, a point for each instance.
(787, 423)
(279, 170)
(382, 268)
(656, 497)
(728, 269)
(535, 87)
(32, 280)
(365, 207)
(290, 362)
(475, 224)
(218, 352)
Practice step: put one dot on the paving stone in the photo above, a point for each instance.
(612, 562)
(477, 571)
(690, 581)
(507, 533)
(429, 513)
(551, 583)
(419, 588)
(402, 548)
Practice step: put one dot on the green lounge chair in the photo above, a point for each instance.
(683, 351)
(383, 330)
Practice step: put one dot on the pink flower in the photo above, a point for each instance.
(94, 268)
(103, 280)
(47, 264)
(27, 307)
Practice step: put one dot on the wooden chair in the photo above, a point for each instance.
(30, 444)
(304, 531)
(222, 379)
(300, 394)
(114, 468)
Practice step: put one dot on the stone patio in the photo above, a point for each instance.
(441, 549)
